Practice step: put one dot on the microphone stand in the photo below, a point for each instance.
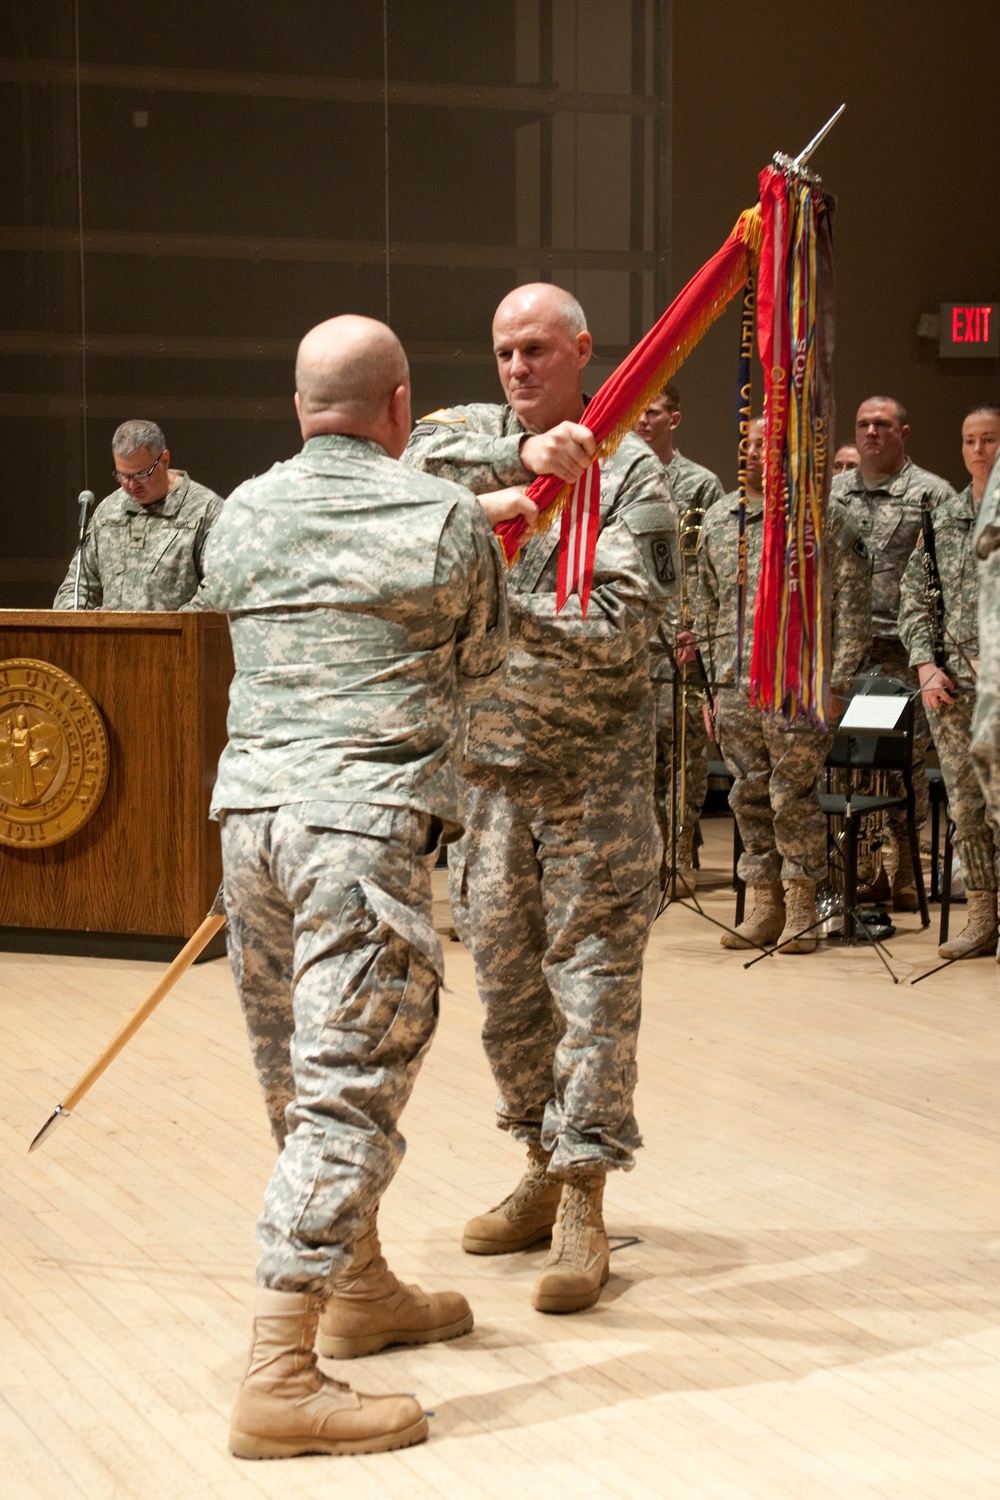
(85, 503)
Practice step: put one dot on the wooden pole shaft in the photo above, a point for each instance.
(185, 958)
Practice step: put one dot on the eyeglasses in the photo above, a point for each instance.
(136, 478)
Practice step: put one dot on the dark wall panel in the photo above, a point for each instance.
(918, 218)
(234, 193)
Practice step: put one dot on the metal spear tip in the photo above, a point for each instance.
(804, 156)
(50, 1124)
(795, 166)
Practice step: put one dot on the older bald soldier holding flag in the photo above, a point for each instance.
(556, 875)
(367, 606)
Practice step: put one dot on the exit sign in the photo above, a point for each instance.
(970, 330)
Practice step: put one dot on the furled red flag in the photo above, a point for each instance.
(630, 388)
(791, 651)
(789, 233)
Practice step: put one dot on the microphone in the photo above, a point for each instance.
(85, 500)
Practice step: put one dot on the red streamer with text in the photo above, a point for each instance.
(789, 663)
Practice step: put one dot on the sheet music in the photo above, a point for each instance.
(873, 711)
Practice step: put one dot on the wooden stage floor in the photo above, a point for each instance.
(805, 1299)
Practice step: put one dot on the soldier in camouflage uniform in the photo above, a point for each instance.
(144, 548)
(948, 692)
(694, 490)
(846, 457)
(366, 604)
(775, 765)
(884, 496)
(557, 869)
(986, 719)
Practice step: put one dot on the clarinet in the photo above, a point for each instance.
(932, 588)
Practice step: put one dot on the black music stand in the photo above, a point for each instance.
(875, 732)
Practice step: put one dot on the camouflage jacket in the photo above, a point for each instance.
(577, 692)
(888, 518)
(145, 556)
(718, 559)
(366, 604)
(691, 485)
(954, 523)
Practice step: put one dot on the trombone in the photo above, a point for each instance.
(688, 537)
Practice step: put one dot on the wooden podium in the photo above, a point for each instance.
(139, 876)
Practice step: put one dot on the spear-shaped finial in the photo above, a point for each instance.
(797, 164)
(804, 156)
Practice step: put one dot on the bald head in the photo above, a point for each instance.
(348, 373)
(541, 344)
(542, 300)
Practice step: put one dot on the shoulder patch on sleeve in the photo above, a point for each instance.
(652, 520)
(443, 414)
(663, 560)
(859, 547)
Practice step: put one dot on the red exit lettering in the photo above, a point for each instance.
(970, 325)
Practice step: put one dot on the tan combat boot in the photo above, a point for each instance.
(524, 1218)
(766, 920)
(979, 935)
(285, 1405)
(800, 914)
(578, 1264)
(369, 1309)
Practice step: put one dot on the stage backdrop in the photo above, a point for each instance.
(184, 190)
(242, 171)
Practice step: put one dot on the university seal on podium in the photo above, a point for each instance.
(53, 754)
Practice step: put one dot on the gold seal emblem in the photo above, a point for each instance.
(53, 754)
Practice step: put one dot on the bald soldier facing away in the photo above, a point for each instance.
(557, 870)
(366, 604)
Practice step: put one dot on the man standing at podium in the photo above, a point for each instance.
(143, 549)
(366, 603)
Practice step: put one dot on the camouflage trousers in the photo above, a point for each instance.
(695, 760)
(554, 886)
(977, 845)
(891, 655)
(774, 795)
(337, 967)
(985, 750)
